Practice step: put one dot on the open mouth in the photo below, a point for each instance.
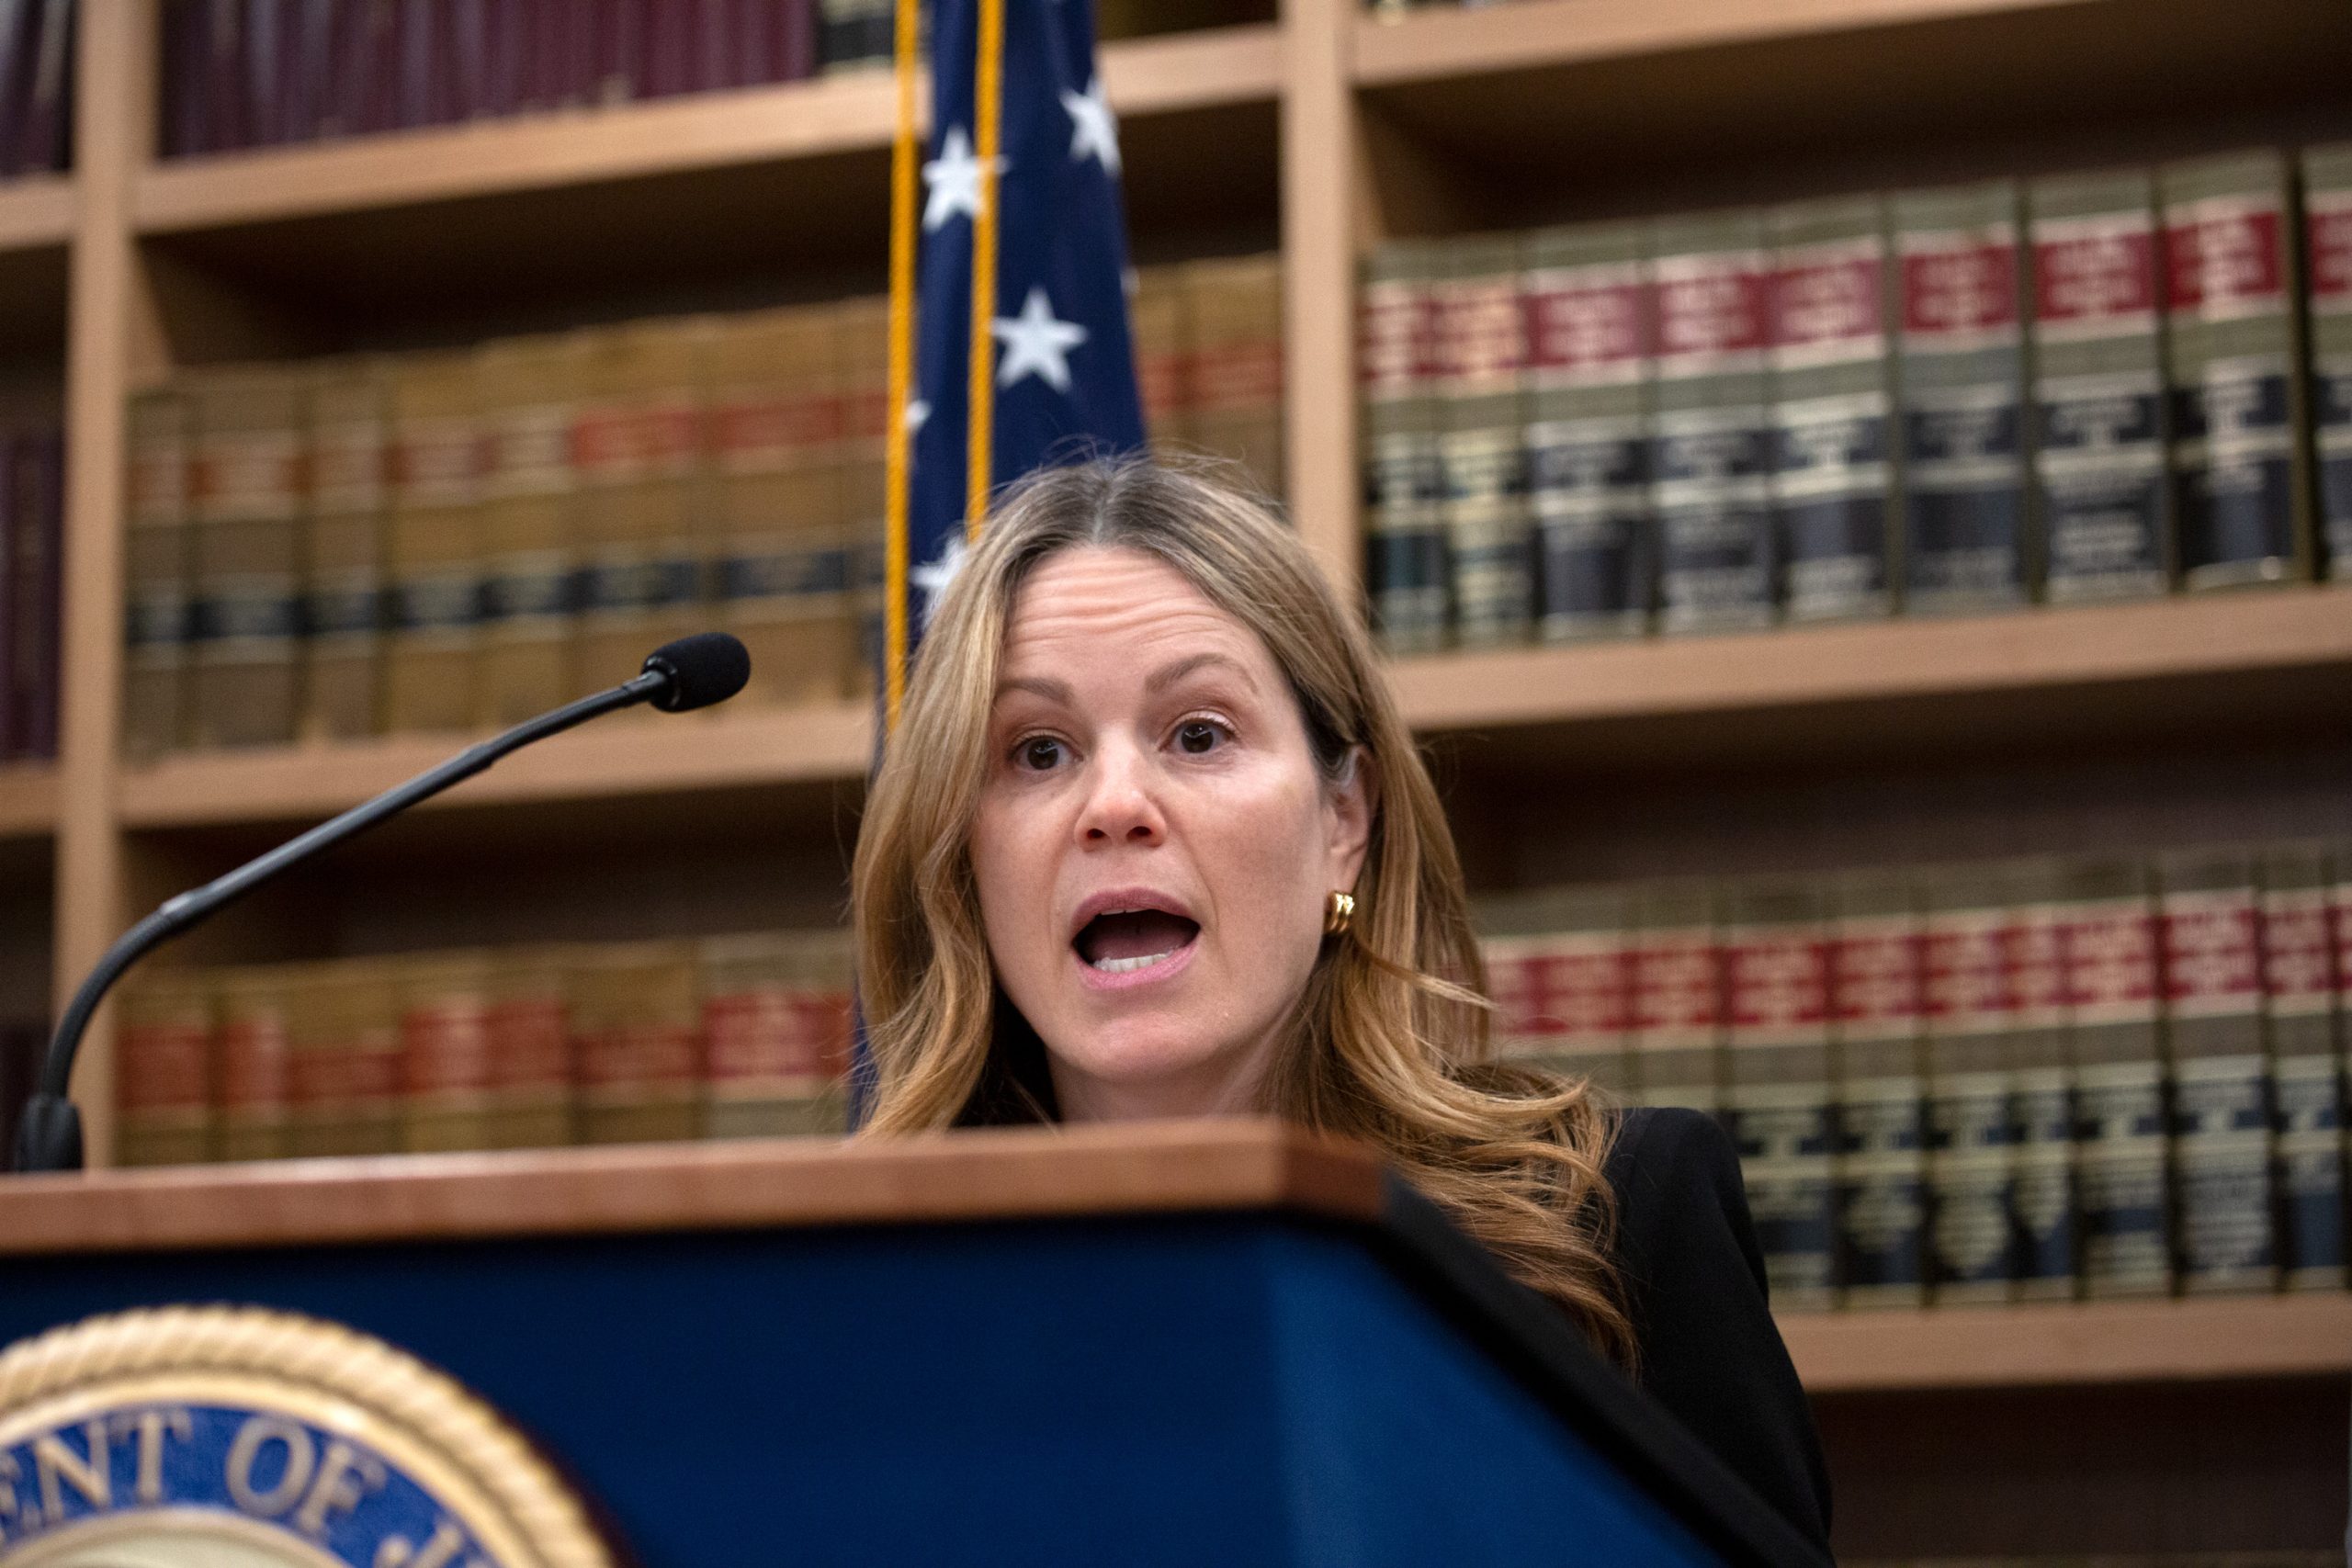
(1120, 941)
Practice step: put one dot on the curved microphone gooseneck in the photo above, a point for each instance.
(691, 672)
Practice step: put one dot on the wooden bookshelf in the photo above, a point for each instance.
(36, 213)
(28, 800)
(636, 756)
(2085, 1342)
(799, 121)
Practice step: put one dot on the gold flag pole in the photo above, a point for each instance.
(905, 154)
(987, 93)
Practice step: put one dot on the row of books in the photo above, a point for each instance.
(458, 540)
(2037, 1080)
(35, 86)
(238, 73)
(517, 1048)
(2081, 386)
(32, 512)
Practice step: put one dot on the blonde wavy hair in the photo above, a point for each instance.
(1390, 1043)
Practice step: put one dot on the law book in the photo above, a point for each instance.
(343, 576)
(1157, 309)
(1591, 341)
(2231, 359)
(251, 431)
(1403, 527)
(1833, 411)
(2113, 993)
(2039, 1057)
(854, 35)
(637, 1042)
(43, 129)
(636, 442)
(2301, 1008)
(250, 1050)
(1961, 395)
(1880, 1092)
(446, 1052)
(783, 581)
(1480, 342)
(527, 389)
(343, 1059)
(2210, 916)
(1972, 1156)
(2099, 427)
(1678, 1007)
(2327, 283)
(1711, 425)
(534, 1080)
(775, 1020)
(861, 347)
(1779, 1068)
(36, 586)
(1233, 311)
(434, 545)
(162, 1074)
(1560, 972)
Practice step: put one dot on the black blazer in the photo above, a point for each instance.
(1694, 1284)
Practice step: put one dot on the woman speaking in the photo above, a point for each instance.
(1152, 840)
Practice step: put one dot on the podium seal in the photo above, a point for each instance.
(236, 1437)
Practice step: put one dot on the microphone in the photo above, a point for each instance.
(691, 672)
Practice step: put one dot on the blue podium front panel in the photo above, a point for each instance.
(1238, 1390)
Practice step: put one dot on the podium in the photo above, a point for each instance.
(1208, 1343)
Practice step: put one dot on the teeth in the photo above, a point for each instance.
(1128, 965)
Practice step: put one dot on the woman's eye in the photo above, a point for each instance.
(1198, 735)
(1038, 754)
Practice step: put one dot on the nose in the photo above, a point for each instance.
(1121, 807)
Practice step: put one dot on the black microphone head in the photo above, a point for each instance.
(707, 668)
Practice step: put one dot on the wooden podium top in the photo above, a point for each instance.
(1007, 1173)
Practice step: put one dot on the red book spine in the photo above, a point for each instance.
(793, 39)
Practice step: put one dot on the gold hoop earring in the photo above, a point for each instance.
(1338, 910)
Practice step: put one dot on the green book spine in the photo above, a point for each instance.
(2209, 915)
(1961, 371)
(2112, 994)
(1779, 1070)
(155, 575)
(1677, 998)
(1405, 534)
(1832, 408)
(342, 577)
(2098, 385)
(1972, 1156)
(1711, 425)
(1481, 348)
(2300, 1001)
(1590, 348)
(2230, 358)
(2041, 1069)
(1881, 1104)
(1560, 975)
(2327, 279)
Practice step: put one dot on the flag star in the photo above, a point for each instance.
(932, 577)
(953, 180)
(1094, 130)
(917, 416)
(1037, 343)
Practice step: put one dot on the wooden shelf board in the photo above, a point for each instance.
(36, 212)
(2086, 1342)
(994, 1173)
(633, 755)
(28, 800)
(1424, 45)
(2029, 650)
(708, 131)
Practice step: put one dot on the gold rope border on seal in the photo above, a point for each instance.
(342, 1363)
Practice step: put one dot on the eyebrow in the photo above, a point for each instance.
(1159, 680)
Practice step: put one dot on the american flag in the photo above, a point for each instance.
(1064, 383)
